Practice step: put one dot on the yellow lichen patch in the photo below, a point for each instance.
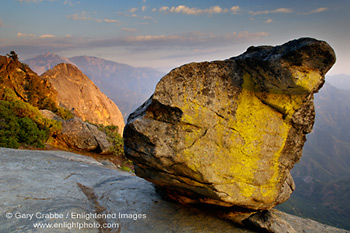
(307, 80)
(285, 104)
(248, 83)
(240, 152)
(192, 129)
(256, 123)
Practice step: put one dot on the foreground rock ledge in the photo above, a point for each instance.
(64, 183)
(227, 133)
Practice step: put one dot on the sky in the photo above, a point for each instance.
(166, 34)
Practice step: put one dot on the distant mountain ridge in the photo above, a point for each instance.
(330, 136)
(44, 62)
(125, 85)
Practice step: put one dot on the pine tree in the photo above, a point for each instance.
(13, 55)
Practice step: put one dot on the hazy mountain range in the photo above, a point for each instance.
(322, 176)
(341, 81)
(125, 85)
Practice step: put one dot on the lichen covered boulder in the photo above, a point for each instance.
(228, 132)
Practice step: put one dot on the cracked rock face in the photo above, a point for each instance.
(79, 135)
(229, 132)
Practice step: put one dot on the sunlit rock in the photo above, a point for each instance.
(227, 133)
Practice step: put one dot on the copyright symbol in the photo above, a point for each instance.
(9, 215)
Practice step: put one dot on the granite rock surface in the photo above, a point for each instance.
(227, 133)
(76, 187)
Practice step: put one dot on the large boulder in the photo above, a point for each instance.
(79, 135)
(227, 133)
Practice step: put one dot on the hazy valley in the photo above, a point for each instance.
(323, 174)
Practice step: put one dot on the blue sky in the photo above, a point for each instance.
(165, 34)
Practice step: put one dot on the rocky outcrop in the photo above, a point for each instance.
(50, 115)
(65, 185)
(27, 85)
(79, 135)
(77, 92)
(227, 133)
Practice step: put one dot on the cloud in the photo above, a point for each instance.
(20, 34)
(153, 38)
(132, 10)
(143, 42)
(162, 9)
(47, 36)
(318, 10)
(235, 9)
(204, 51)
(80, 16)
(136, 16)
(70, 3)
(144, 48)
(182, 9)
(129, 29)
(144, 8)
(195, 39)
(247, 36)
(107, 21)
(279, 10)
(110, 21)
(30, 35)
(268, 21)
(195, 11)
(186, 10)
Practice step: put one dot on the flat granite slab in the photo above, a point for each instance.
(56, 191)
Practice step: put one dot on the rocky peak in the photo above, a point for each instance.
(27, 85)
(90, 60)
(77, 92)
